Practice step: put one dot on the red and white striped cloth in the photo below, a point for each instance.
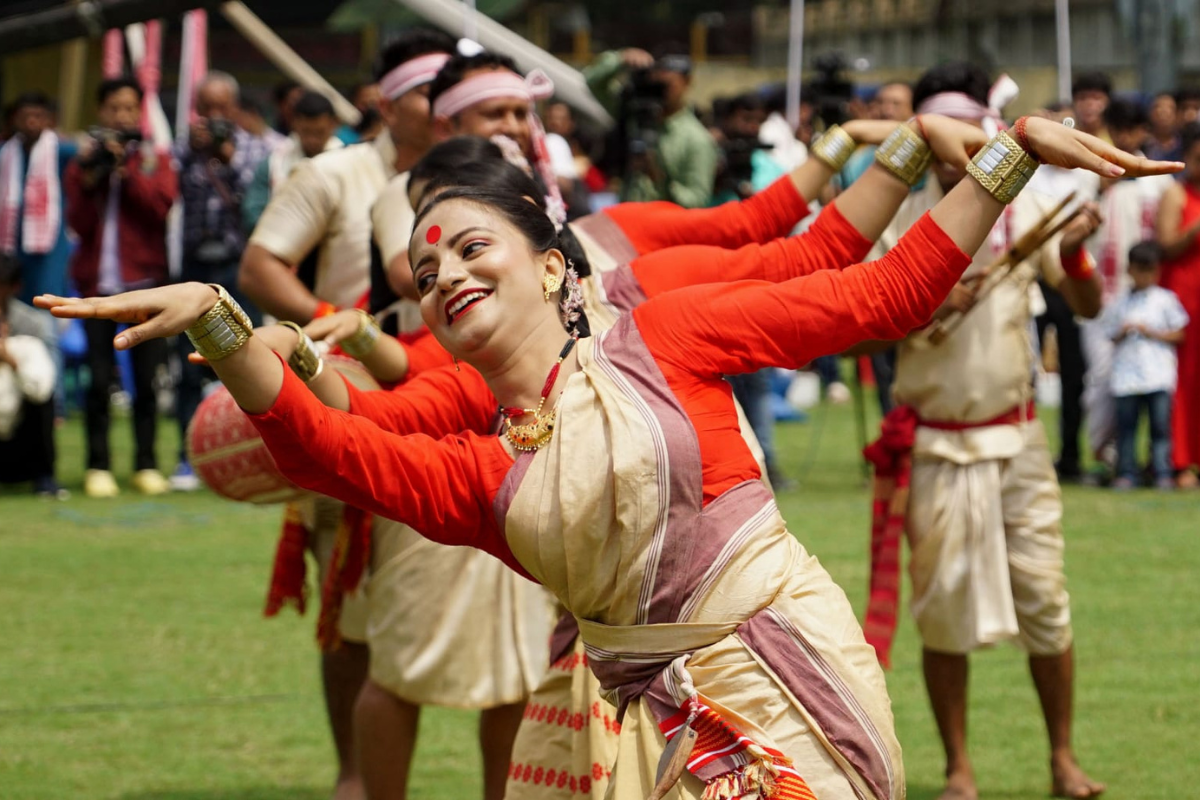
(34, 204)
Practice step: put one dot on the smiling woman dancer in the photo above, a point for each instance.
(621, 482)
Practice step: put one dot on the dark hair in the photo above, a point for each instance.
(33, 100)
(459, 65)
(312, 105)
(1125, 115)
(471, 162)
(1146, 254)
(1189, 136)
(113, 85)
(10, 270)
(1091, 82)
(529, 219)
(953, 76)
(748, 101)
(282, 89)
(249, 104)
(1185, 94)
(410, 44)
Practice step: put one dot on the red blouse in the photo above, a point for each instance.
(770, 214)
(446, 488)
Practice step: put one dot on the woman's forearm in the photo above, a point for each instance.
(253, 374)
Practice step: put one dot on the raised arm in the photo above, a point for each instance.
(742, 327)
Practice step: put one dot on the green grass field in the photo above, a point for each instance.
(135, 663)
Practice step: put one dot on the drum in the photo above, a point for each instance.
(227, 453)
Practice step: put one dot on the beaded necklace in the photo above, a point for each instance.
(534, 435)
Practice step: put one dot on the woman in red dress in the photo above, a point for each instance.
(1179, 234)
(622, 482)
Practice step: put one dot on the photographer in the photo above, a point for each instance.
(667, 152)
(211, 184)
(746, 165)
(119, 191)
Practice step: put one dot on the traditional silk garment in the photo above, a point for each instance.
(690, 594)
(1182, 276)
(551, 750)
(984, 513)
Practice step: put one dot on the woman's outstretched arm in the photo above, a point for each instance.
(736, 328)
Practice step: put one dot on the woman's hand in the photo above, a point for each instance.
(153, 313)
(333, 328)
(953, 141)
(1066, 147)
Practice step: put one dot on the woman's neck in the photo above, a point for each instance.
(517, 380)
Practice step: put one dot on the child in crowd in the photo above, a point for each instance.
(1145, 324)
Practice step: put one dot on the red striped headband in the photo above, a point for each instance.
(411, 74)
(491, 85)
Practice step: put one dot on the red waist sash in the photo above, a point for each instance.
(891, 455)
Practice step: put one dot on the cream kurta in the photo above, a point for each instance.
(985, 511)
(325, 205)
(650, 577)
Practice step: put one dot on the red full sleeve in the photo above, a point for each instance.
(831, 243)
(442, 488)
(733, 328)
(768, 215)
(439, 402)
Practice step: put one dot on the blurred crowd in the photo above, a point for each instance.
(105, 211)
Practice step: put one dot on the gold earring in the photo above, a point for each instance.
(551, 284)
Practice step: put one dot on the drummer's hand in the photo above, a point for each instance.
(1066, 147)
(1081, 228)
(333, 328)
(953, 141)
(153, 313)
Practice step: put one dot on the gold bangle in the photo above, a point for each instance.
(304, 361)
(1002, 167)
(905, 154)
(834, 148)
(359, 344)
(223, 330)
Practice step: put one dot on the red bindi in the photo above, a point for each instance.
(434, 234)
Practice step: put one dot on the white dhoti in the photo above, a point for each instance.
(1099, 407)
(987, 551)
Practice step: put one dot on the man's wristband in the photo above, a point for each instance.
(324, 309)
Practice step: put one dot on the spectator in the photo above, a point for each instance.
(1090, 94)
(313, 126)
(120, 192)
(1145, 324)
(1179, 235)
(1163, 143)
(746, 166)
(32, 204)
(1127, 209)
(1187, 105)
(285, 94)
(364, 97)
(669, 154)
(256, 140)
(787, 150)
(27, 379)
(211, 187)
(584, 177)
(895, 101)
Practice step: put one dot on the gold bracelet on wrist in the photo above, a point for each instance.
(223, 330)
(1002, 167)
(359, 344)
(905, 154)
(304, 361)
(834, 148)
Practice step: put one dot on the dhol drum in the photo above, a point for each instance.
(227, 453)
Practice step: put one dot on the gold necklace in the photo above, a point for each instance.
(535, 435)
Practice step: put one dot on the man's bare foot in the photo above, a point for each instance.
(959, 786)
(1072, 782)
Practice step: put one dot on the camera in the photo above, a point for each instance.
(102, 158)
(221, 131)
(831, 90)
(737, 165)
